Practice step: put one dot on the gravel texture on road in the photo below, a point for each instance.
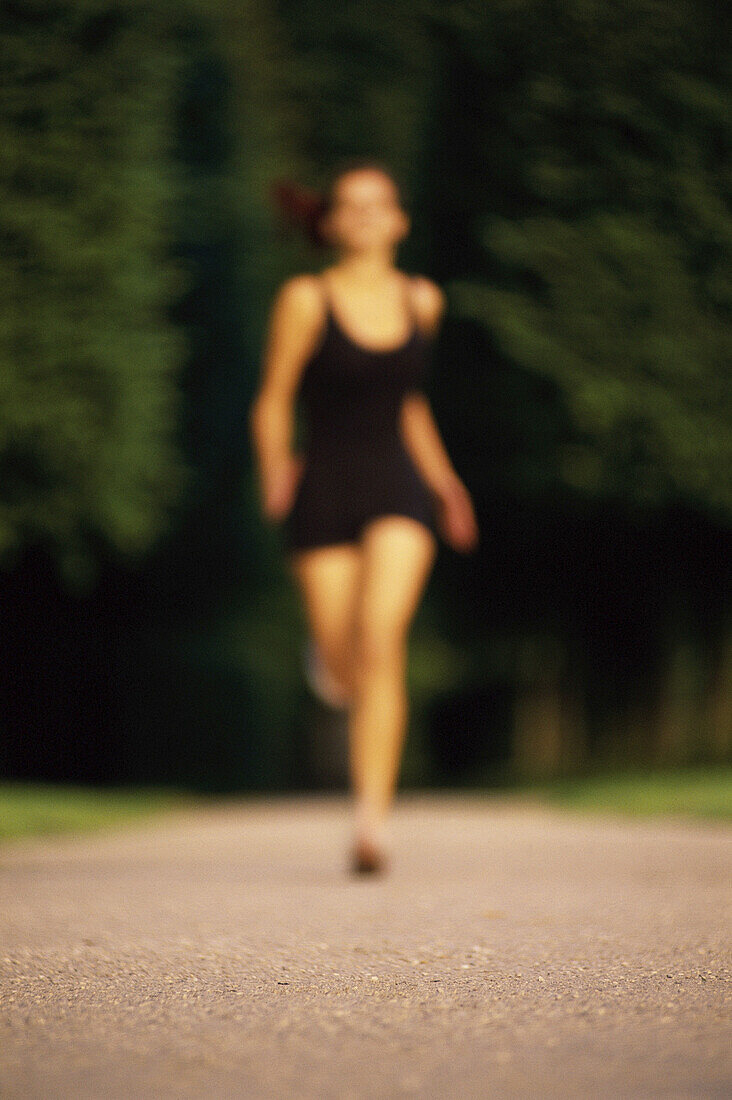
(513, 949)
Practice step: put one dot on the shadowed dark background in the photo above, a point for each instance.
(565, 168)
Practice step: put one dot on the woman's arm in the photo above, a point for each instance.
(421, 437)
(419, 431)
(293, 328)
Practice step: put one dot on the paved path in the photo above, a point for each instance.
(512, 951)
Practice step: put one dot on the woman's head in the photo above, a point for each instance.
(360, 209)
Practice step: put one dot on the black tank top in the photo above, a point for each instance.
(352, 394)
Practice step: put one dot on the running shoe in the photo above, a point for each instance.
(319, 680)
(368, 858)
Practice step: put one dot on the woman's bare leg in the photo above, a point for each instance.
(328, 577)
(398, 554)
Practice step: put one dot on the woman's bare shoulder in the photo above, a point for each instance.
(303, 291)
(429, 299)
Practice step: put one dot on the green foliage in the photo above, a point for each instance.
(265, 123)
(621, 329)
(89, 407)
(603, 144)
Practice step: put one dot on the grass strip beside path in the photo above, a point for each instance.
(699, 791)
(28, 809)
(706, 791)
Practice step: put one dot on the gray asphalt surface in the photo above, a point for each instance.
(511, 951)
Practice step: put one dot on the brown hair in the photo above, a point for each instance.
(302, 207)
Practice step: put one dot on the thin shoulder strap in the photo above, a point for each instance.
(411, 311)
(408, 297)
(326, 293)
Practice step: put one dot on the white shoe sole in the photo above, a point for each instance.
(319, 681)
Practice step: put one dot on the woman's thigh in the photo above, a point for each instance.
(328, 579)
(398, 554)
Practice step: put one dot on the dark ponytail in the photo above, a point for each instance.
(300, 207)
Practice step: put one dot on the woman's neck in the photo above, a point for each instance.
(365, 267)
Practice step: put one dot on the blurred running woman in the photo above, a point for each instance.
(362, 508)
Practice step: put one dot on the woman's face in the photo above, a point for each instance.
(365, 213)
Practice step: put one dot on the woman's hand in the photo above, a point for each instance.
(279, 484)
(456, 516)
